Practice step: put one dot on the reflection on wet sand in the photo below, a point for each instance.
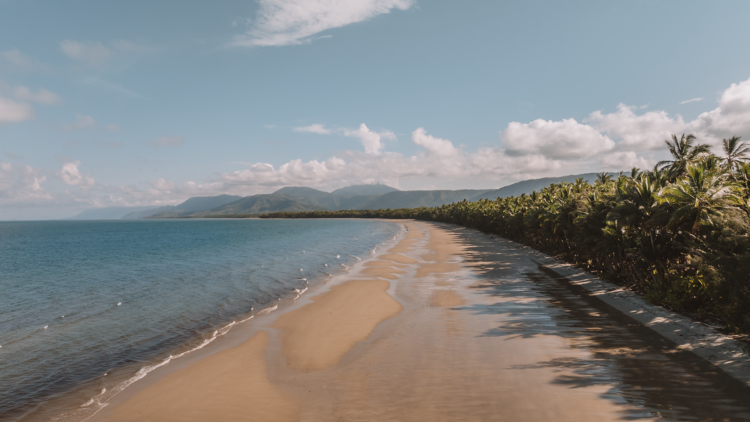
(638, 366)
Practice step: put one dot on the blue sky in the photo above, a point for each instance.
(108, 103)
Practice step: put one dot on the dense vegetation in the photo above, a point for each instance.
(678, 233)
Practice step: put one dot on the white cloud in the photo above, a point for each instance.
(314, 128)
(563, 139)
(604, 141)
(289, 22)
(90, 53)
(168, 141)
(162, 184)
(622, 160)
(730, 118)
(82, 122)
(13, 112)
(692, 100)
(41, 96)
(432, 145)
(21, 184)
(370, 140)
(70, 175)
(646, 131)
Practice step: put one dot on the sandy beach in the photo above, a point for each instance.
(446, 325)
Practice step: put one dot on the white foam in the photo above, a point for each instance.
(300, 269)
(100, 398)
(247, 319)
(45, 327)
(299, 293)
(268, 310)
(325, 265)
(338, 256)
(119, 303)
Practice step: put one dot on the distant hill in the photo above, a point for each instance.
(137, 215)
(310, 196)
(109, 213)
(419, 198)
(200, 203)
(358, 197)
(528, 186)
(196, 203)
(256, 204)
(364, 190)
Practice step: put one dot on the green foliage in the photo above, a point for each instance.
(679, 234)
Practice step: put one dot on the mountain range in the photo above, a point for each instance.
(292, 198)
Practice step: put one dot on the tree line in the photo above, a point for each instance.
(678, 234)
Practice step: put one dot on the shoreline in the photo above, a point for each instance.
(135, 377)
(234, 333)
(446, 324)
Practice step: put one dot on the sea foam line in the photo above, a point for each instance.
(99, 401)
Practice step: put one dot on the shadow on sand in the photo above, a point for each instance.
(643, 371)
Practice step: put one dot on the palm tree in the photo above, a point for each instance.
(635, 173)
(701, 195)
(684, 153)
(603, 178)
(735, 152)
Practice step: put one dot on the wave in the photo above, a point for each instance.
(99, 401)
(299, 293)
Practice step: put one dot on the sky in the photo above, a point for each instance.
(142, 103)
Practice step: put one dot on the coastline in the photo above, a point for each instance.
(447, 324)
(123, 381)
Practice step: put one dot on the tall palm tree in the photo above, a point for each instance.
(735, 152)
(699, 196)
(684, 152)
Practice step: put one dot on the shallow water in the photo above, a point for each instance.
(85, 305)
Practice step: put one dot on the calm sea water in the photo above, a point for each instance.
(81, 299)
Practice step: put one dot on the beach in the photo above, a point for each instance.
(446, 324)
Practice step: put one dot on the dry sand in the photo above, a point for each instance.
(229, 386)
(448, 325)
(315, 336)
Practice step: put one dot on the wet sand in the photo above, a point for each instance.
(458, 327)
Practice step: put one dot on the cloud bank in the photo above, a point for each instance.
(627, 137)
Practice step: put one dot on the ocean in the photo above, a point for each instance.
(88, 307)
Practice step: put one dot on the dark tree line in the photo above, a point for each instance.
(677, 233)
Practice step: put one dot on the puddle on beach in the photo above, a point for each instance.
(647, 375)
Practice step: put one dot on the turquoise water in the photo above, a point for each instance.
(81, 299)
